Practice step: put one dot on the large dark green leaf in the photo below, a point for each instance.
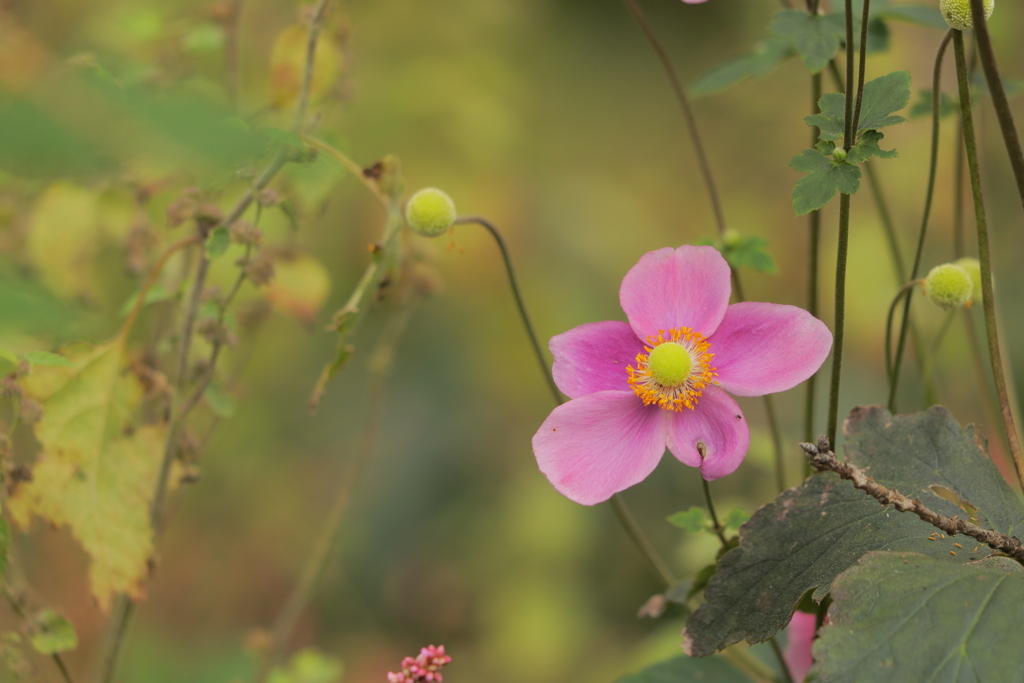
(815, 37)
(883, 97)
(907, 617)
(683, 668)
(812, 533)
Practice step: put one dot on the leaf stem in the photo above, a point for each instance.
(933, 165)
(684, 104)
(988, 296)
(863, 64)
(995, 85)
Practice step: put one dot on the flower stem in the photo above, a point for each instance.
(684, 104)
(998, 92)
(988, 296)
(622, 511)
(894, 374)
(864, 22)
(904, 291)
(840, 313)
(814, 226)
(513, 283)
(718, 528)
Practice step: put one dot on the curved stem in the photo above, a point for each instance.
(998, 92)
(929, 195)
(684, 104)
(864, 22)
(538, 351)
(718, 528)
(988, 296)
(904, 291)
(622, 511)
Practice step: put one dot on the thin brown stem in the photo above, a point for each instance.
(821, 455)
(715, 524)
(984, 255)
(684, 104)
(639, 538)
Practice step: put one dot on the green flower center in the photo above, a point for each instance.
(670, 364)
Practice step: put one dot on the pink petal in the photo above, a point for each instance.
(717, 422)
(694, 2)
(684, 287)
(594, 357)
(763, 348)
(799, 636)
(599, 444)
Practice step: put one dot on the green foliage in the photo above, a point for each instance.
(46, 359)
(744, 252)
(826, 177)
(683, 668)
(154, 295)
(908, 617)
(98, 469)
(882, 98)
(692, 521)
(220, 400)
(766, 55)
(815, 38)
(923, 105)
(52, 633)
(309, 666)
(811, 534)
(735, 519)
(217, 243)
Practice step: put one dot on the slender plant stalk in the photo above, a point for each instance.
(862, 69)
(232, 52)
(904, 291)
(513, 283)
(995, 85)
(124, 609)
(622, 511)
(787, 677)
(17, 607)
(814, 227)
(988, 296)
(716, 525)
(684, 104)
(894, 374)
(848, 127)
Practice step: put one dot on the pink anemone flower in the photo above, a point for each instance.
(660, 380)
(799, 638)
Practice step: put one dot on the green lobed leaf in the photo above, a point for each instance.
(767, 55)
(811, 534)
(692, 521)
(908, 617)
(826, 177)
(52, 633)
(736, 519)
(816, 38)
(883, 97)
(683, 668)
(217, 243)
(867, 148)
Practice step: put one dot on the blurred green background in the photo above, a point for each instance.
(553, 119)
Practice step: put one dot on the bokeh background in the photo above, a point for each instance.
(553, 119)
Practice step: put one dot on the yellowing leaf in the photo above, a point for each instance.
(97, 470)
(299, 288)
(62, 238)
(288, 64)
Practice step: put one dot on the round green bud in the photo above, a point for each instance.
(948, 286)
(973, 268)
(732, 239)
(839, 154)
(430, 212)
(669, 364)
(957, 13)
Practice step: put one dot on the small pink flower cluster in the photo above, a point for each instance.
(424, 668)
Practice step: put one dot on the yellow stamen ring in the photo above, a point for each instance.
(675, 370)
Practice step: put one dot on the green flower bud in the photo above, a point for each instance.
(957, 13)
(430, 212)
(732, 239)
(839, 154)
(973, 268)
(948, 286)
